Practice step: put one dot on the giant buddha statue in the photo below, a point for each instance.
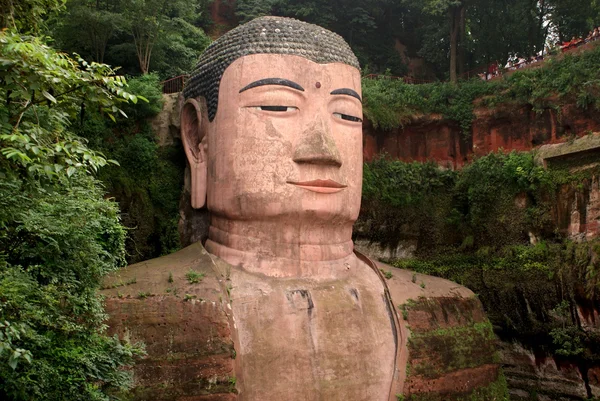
(276, 305)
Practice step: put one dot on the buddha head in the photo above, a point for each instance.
(272, 125)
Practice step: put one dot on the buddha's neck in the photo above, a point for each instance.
(279, 249)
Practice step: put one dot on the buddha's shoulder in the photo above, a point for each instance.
(451, 344)
(187, 272)
(405, 285)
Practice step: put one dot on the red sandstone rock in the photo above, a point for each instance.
(432, 138)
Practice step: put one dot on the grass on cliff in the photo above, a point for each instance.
(573, 79)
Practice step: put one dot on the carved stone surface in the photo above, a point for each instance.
(197, 334)
(278, 306)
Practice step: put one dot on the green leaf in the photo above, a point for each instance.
(49, 96)
(13, 361)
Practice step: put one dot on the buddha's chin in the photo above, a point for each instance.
(317, 216)
(332, 208)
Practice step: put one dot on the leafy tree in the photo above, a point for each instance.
(148, 20)
(88, 27)
(58, 235)
(148, 181)
(138, 35)
(247, 10)
(456, 14)
(178, 49)
(574, 18)
(26, 15)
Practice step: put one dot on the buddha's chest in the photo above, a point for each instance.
(300, 340)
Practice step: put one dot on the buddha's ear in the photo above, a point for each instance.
(193, 136)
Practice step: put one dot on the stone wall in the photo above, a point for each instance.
(433, 138)
(577, 209)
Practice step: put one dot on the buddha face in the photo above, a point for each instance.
(286, 142)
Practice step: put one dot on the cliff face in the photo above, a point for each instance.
(433, 138)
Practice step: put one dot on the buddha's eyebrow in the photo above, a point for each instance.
(346, 91)
(273, 81)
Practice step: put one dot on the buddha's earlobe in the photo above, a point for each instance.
(193, 136)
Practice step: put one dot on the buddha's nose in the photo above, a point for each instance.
(317, 146)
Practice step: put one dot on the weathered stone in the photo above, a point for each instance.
(451, 345)
(279, 167)
(533, 377)
(184, 326)
(167, 124)
(433, 138)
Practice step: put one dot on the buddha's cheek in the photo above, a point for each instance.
(256, 171)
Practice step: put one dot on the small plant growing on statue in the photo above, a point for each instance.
(143, 295)
(232, 382)
(189, 297)
(404, 311)
(386, 273)
(170, 277)
(193, 277)
(414, 278)
(422, 284)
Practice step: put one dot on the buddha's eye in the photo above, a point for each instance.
(347, 117)
(281, 109)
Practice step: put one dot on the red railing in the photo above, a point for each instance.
(174, 85)
(485, 72)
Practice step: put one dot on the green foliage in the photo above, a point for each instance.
(399, 196)
(365, 25)
(58, 235)
(194, 277)
(178, 49)
(528, 292)
(390, 104)
(45, 91)
(387, 274)
(27, 15)
(572, 79)
(88, 29)
(499, 199)
(458, 348)
(57, 242)
(148, 181)
(140, 35)
(247, 10)
(575, 18)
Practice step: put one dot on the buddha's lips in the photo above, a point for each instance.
(320, 186)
